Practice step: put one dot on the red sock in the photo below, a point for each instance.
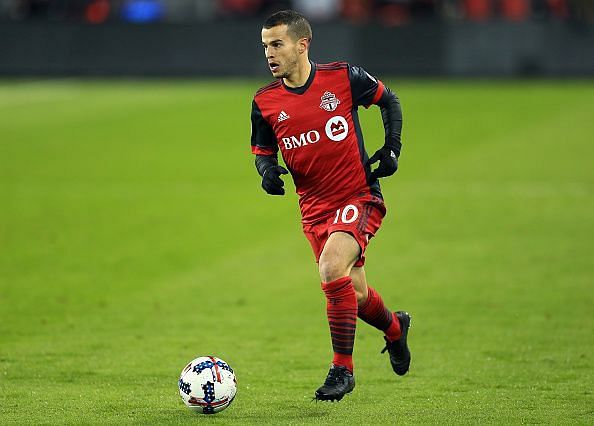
(374, 313)
(341, 308)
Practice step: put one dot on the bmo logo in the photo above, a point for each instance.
(337, 128)
(304, 139)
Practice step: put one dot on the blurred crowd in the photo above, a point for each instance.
(386, 12)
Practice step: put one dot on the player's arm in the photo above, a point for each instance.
(265, 147)
(366, 91)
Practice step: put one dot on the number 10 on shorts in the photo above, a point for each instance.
(349, 214)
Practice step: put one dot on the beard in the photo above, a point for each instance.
(289, 68)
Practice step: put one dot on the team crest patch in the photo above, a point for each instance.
(329, 101)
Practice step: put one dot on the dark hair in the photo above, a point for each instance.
(298, 27)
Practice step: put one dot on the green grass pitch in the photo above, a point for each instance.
(134, 236)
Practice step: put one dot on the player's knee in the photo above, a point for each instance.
(332, 269)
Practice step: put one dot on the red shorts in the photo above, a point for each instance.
(360, 216)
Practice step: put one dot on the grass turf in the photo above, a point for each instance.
(134, 237)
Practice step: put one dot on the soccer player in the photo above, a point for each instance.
(309, 113)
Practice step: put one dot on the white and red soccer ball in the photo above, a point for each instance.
(207, 385)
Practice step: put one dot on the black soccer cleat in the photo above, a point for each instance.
(398, 349)
(339, 382)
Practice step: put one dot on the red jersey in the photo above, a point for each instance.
(316, 127)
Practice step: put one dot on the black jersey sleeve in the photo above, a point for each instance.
(392, 118)
(263, 139)
(364, 86)
(367, 90)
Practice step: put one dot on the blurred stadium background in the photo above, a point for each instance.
(134, 235)
(216, 37)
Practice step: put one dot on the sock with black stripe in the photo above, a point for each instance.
(374, 313)
(341, 308)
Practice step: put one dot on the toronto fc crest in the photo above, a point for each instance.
(329, 101)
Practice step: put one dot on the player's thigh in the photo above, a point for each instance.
(340, 253)
(360, 217)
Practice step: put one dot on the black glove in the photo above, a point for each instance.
(271, 181)
(387, 166)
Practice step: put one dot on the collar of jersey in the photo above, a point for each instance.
(302, 89)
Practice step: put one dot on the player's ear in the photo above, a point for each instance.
(303, 44)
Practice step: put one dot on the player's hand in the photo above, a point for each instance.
(388, 163)
(271, 181)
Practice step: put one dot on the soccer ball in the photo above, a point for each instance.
(207, 385)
